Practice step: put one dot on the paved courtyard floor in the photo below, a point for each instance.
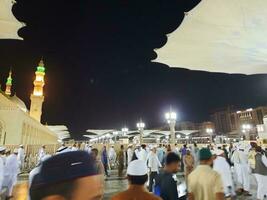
(112, 186)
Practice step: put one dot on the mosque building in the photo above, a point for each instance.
(18, 125)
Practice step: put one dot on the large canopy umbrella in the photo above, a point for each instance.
(220, 36)
(9, 25)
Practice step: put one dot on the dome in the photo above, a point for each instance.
(19, 103)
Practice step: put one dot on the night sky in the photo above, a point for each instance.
(99, 71)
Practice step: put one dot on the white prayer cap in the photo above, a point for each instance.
(137, 168)
(21, 145)
(15, 151)
(219, 152)
(2, 149)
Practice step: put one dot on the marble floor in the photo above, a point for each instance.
(112, 186)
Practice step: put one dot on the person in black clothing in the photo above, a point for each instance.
(166, 181)
(226, 154)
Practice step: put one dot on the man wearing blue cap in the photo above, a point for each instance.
(68, 176)
(204, 183)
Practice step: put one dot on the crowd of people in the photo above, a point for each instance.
(213, 172)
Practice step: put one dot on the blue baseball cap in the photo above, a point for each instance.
(64, 167)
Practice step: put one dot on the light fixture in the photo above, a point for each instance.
(209, 130)
(140, 125)
(170, 116)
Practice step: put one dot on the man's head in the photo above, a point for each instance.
(94, 153)
(258, 149)
(253, 145)
(184, 145)
(195, 144)
(21, 146)
(188, 152)
(137, 172)
(2, 150)
(122, 147)
(172, 162)
(68, 176)
(143, 146)
(154, 150)
(43, 146)
(15, 151)
(205, 157)
(8, 152)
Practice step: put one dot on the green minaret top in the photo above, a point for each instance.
(9, 79)
(40, 67)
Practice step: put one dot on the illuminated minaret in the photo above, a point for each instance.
(37, 97)
(9, 84)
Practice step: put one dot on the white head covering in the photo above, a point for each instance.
(15, 151)
(219, 152)
(2, 149)
(137, 168)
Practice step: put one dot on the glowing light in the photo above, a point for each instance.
(39, 78)
(178, 136)
(140, 125)
(171, 116)
(37, 93)
(209, 130)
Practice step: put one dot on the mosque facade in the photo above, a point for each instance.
(18, 125)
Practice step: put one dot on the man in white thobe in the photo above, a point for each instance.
(129, 154)
(41, 153)
(112, 156)
(242, 168)
(88, 148)
(153, 165)
(2, 154)
(143, 153)
(221, 165)
(11, 171)
(21, 157)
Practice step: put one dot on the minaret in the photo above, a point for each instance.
(8, 23)
(9, 84)
(37, 97)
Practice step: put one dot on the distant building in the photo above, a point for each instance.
(230, 121)
(222, 120)
(17, 124)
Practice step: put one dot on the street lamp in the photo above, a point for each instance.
(141, 125)
(171, 119)
(124, 131)
(115, 133)
(246, 130)
(210, 132)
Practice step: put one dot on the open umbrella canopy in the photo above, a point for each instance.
(220, 36)
(9, 25)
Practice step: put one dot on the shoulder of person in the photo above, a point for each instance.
(119, 196)
(215, 174)
(154, 197)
